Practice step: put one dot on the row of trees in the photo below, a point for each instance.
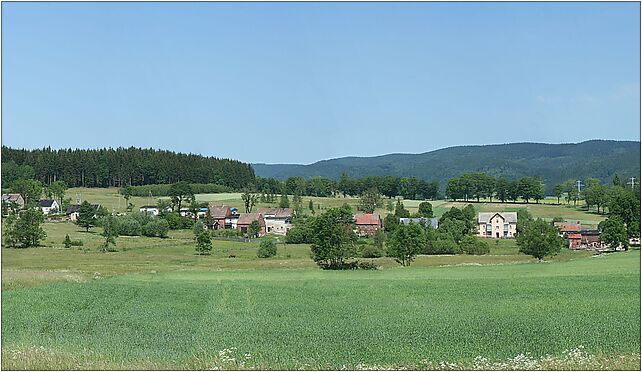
(482, 186)
(388, 186)
(121, 167)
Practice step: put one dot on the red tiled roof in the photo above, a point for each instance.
(568, 226)
(247, 218)
(574, 236)
(367, 219)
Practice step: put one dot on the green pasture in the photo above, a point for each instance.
(306, 318)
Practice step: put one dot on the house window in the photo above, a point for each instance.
(489, 227)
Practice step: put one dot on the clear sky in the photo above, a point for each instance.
(297, 83)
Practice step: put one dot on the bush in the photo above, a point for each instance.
(129, 227)
(157, 227)
(298, 235)
(369, 251)
(442, 246)
(227, 233)
(352, 265)
(176, 222)
(472, 245)
(77, 243)
(67, 241)
(267, 248)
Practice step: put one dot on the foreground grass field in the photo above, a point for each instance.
(311, 319)
(155, 304)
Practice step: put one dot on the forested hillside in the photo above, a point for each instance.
(554, 163)
(121, 167)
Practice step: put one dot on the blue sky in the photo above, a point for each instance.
(297, 83)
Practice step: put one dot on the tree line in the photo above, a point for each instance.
(121, 167)
(389, 186)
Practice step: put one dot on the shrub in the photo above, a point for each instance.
(129, 227)
(203, 243)
(157, 227)
(176, 222)
(472, 245)
(370, 251)
(352, 265)
(442, 246)
(267, 248)
(227, 233)
(298, 235)
(77, 243)
(67, 241)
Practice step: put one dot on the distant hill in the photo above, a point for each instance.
(553, 162)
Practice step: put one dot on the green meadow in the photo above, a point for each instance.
(155, 304)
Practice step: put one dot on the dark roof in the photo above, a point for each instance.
(46, 202)
(149, 207)
(73, 208)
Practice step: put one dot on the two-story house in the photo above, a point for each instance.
(497, 224)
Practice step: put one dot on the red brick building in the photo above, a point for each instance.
(367, 224)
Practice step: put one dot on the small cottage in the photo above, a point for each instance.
(49, 206)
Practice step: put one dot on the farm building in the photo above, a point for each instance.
(497, 224)
(49, 206)
(16, 199)
(220, 214)
(245, 220)
(277, 220)
(434, 222)
(585, 239)
(367, 224)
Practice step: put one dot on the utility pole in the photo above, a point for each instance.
(632, 183)
(579, 185)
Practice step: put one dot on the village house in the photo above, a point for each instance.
(277, 220)
(15, 199)
(424, 221)
(149, 209)
(245, 220)
(367, 224)
(219, 215)
(49, 206)
(566, 228)
(585, 239)
(497, 224)
(73, 211)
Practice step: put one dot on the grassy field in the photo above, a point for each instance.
(155, 304)
(306, 318)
